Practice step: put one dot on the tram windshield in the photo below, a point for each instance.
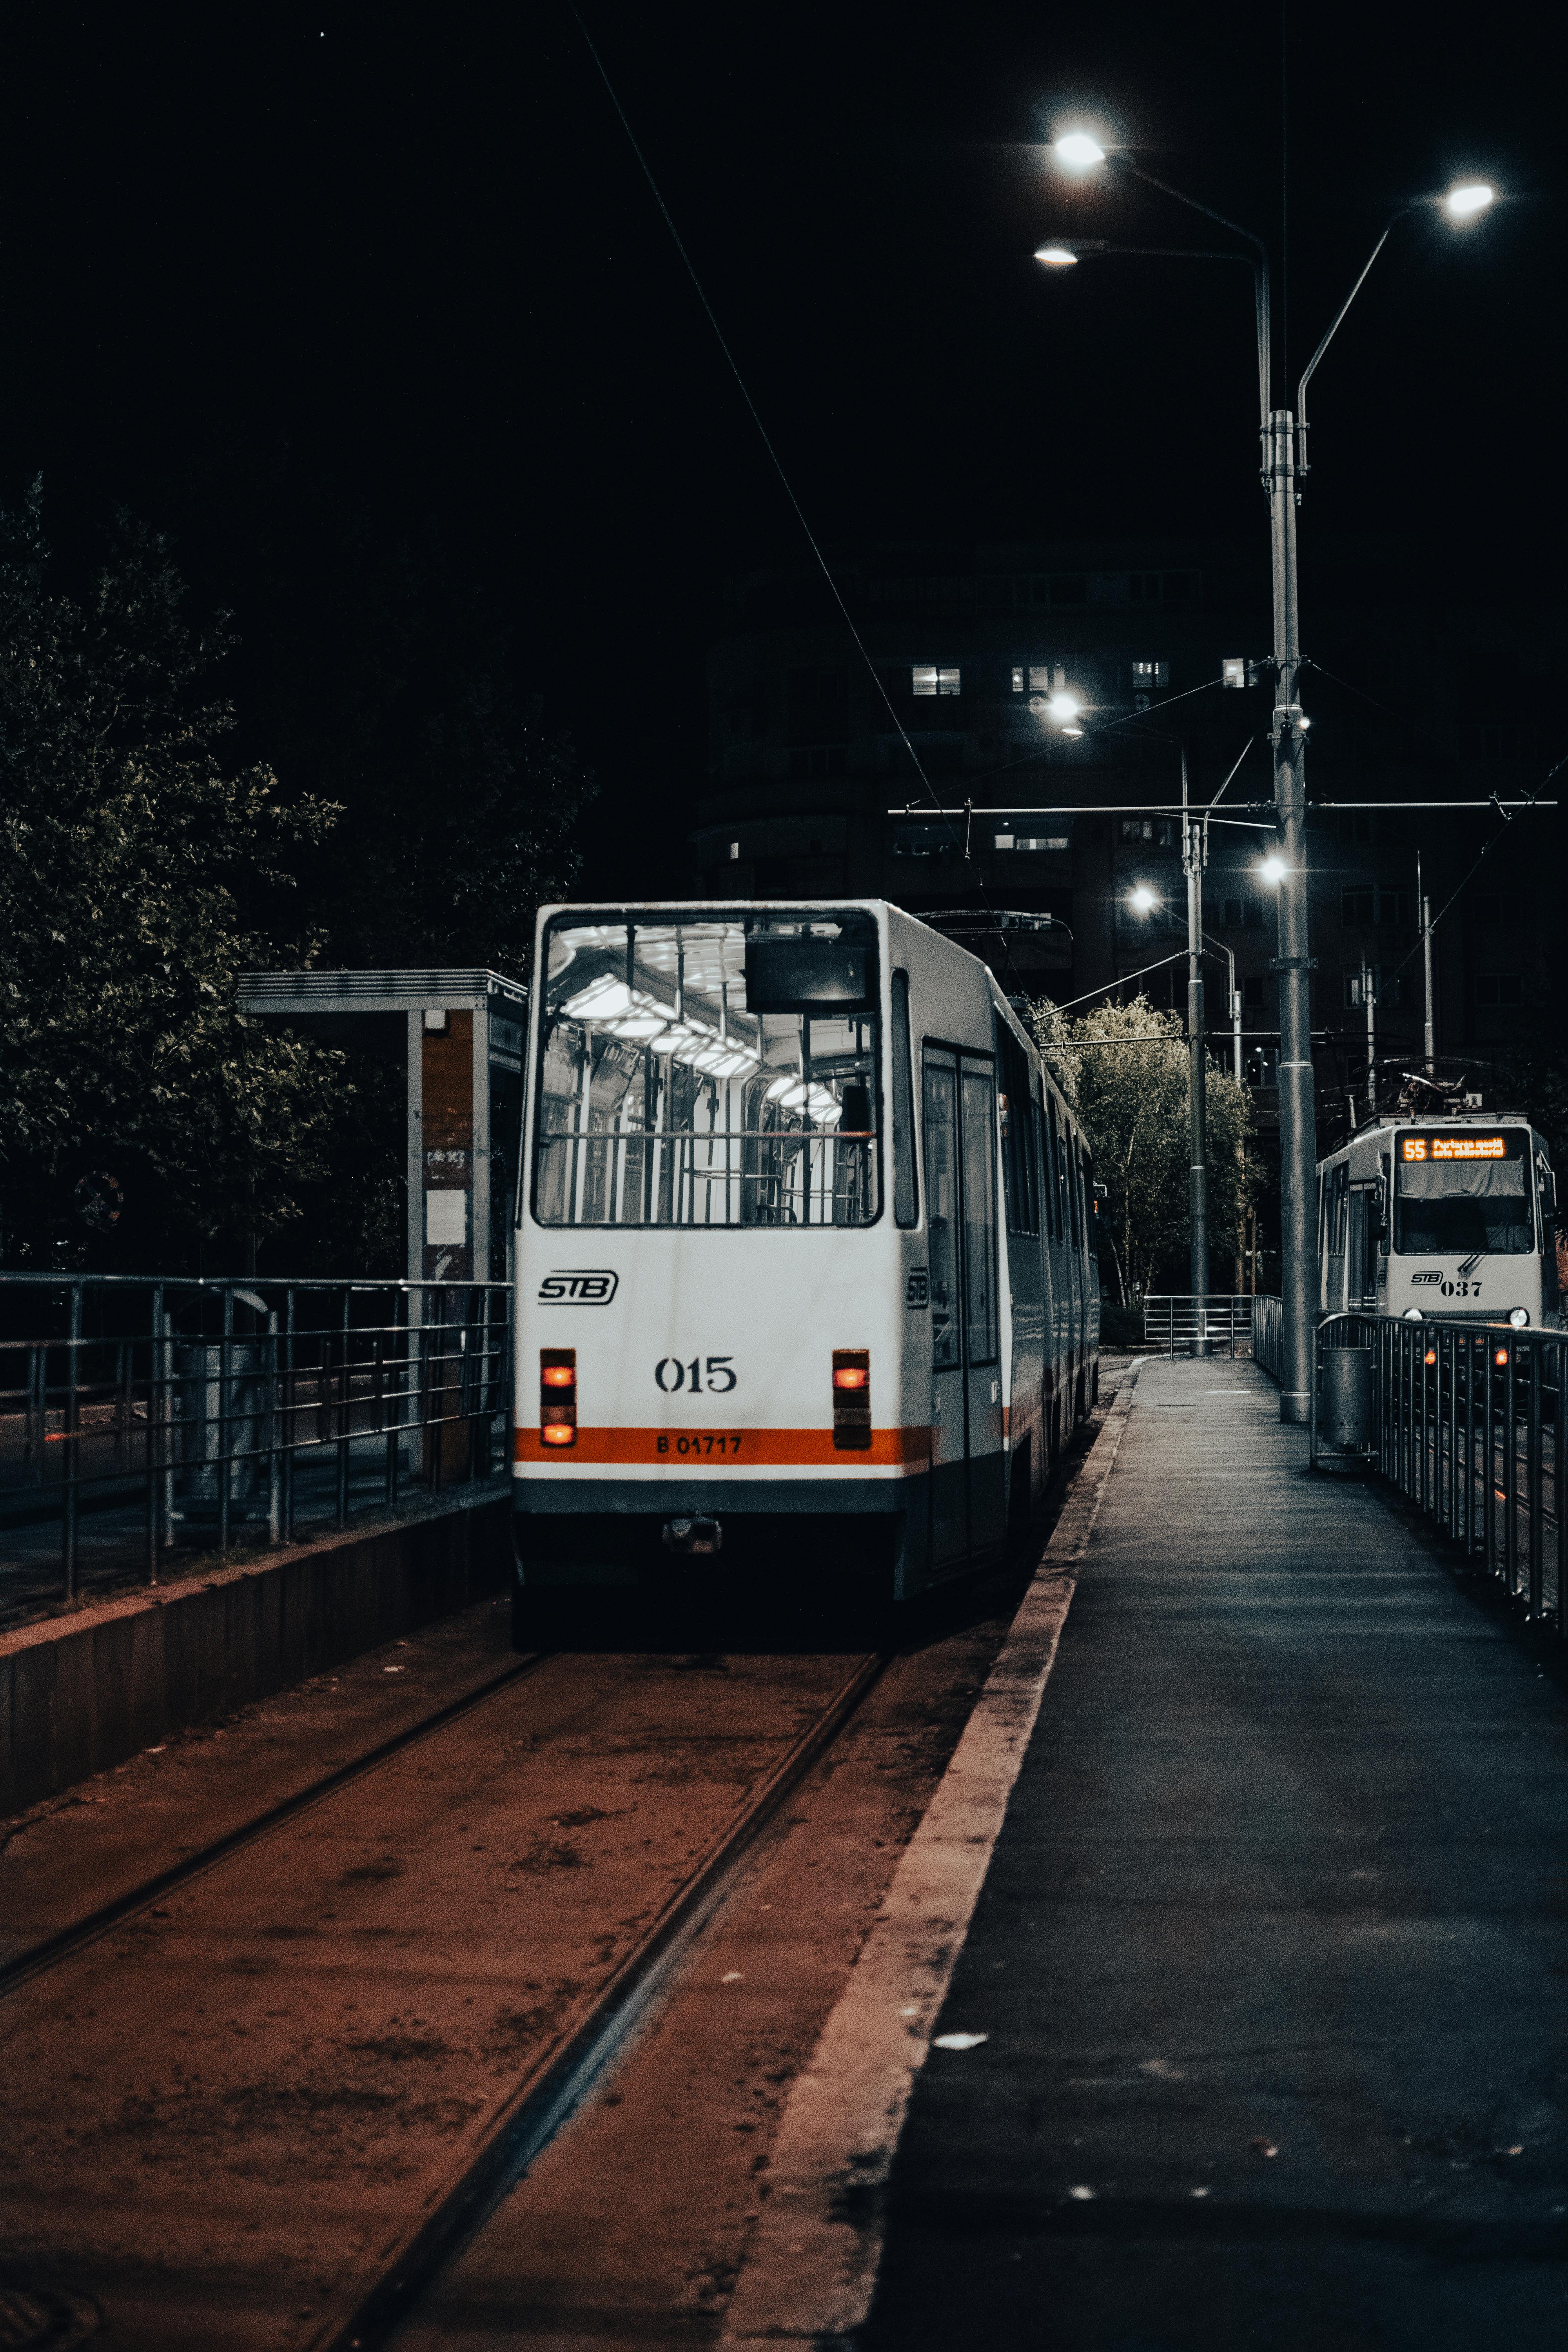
(1463, 1194)
(721, 1071)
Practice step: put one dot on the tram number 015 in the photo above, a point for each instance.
(673, 1376)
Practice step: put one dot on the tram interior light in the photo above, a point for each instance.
(632, 1013)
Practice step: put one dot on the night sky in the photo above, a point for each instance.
(405, 261)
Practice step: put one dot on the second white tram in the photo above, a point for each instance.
(1451, 1216)
(806, 1265)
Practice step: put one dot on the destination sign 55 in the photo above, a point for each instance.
(1452, 1146)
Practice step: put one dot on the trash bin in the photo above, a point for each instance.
(222, 1421)
(1345, 1415)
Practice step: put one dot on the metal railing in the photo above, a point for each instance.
(1182, 1323)
(1470, 1425)
(139, 1415)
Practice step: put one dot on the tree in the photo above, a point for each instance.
(139, 874)
(1124, 1070)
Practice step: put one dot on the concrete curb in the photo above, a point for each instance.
(811, 2268)
(82, 1691)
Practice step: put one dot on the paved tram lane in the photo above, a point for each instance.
(225, 2114)
(1270, 1959)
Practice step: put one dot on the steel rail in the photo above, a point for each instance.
(52, 1949)
(566, 2072)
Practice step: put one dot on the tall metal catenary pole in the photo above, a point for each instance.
(1298, 1110)
(1424, 913)
(1197, 1070)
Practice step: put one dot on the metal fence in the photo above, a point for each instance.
(137, 1417)
(1469, 1424)
(1184, 1324)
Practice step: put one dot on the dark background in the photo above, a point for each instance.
(332, 291)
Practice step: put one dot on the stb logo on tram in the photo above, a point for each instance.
(578, 1286)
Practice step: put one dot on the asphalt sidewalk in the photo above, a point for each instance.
(1270, 1959)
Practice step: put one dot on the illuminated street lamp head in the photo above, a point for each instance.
(1057, 257)
(1273, 869)
(1079, 152)
(1072, 728)
(1143, 898)
(1064, 707)
(1471, 197)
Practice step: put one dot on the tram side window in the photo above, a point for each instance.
(1071, 1187)
(1090, 1219)
(1043, 1165)
(1053, 1177)
(1017, 1160)
(980, 1215)
(941, 1209)
(906, 1194)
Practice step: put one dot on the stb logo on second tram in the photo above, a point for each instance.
(578, 1286)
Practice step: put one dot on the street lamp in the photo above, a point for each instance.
(1284, 465)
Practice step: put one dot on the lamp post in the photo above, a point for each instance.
(1282, 469)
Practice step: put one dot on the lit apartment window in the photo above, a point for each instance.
(1147, 674)
(1037, 678)
(1161, 830)
(734, 849)
(926, 679)
(1034, 841)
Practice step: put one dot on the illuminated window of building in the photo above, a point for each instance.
(926, 679)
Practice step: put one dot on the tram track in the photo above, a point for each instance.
(564, 2074)
(52, 1949)
(264, 2095)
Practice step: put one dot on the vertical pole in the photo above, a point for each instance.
(166, 1367)
(1298, 1110)
(70, 1422)
(1428, 1034)
(224, 1360)
(274, 1456)
(156, 1406)
(1197, 1071)
(290, 1411)
(1369, 998)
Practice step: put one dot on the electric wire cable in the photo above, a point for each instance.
(778, 466)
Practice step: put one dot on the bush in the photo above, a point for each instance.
(1121, 1327)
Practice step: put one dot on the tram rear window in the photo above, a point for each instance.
(1460, 1193)
(721, 1071)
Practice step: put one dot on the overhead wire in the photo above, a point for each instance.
(777, 463)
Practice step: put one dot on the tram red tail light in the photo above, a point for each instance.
(852, 1400)
(1500, 1357)
(558, 1396)
(1431, 1355)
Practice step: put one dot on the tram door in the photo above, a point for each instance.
(968, 1511)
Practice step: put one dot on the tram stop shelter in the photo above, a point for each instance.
(458, 1036)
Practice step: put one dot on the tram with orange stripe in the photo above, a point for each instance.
(807, 1271)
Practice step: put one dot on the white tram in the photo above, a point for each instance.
(806, 1269)
(1450, 1214)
